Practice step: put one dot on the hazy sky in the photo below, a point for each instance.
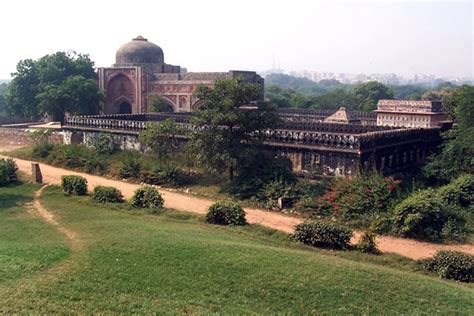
(404, 37)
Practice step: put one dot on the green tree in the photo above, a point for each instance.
(336, 98)
(155, 103)
(3, 100)
(161, 138)
(224, 132)
(457, 154)
(443, 94)
(368, 94)
(54, 84)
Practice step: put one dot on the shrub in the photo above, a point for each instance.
(451, 265)
(71, 156)
(368, 244)
(273, 190)
(257, 171)
(104, 144)
(313, 207)
(459, 192)
(105, 194)
(74, 185)
(130, 167)
(165, 174)
(42, 150)
(226, 213)
(93, 163)
(360, 197)
(8, 170)
(147, 197)
(424, 216)
(326, 235)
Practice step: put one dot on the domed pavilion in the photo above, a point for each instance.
(140, 71)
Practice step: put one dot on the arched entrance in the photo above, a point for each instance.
(125, 108)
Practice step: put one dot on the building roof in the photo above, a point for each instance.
(412, 106)
(342, 116)
(139, 51)
(406, 102)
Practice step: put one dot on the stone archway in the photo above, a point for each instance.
(121, 95)
(125, 108)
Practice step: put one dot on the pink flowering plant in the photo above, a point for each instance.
(357, 197)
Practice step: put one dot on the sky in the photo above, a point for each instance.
(402, 37)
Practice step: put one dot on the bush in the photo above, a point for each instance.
(104, 144)
(226, 213)
(313, 207)
(451, 265)
(42, 150)
(105, 194)
(258, 171)
(71, 156)
(74, 185)
(424, 216)
(326, 235)
(360, 198)
(94, 164)
(8, 170)
(165, 174)
(269, 194)
(368, 244)
(130, 167)
(459, 192)
(147, 197)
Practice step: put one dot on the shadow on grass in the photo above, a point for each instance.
(9, 200)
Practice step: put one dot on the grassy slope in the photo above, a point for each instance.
(174, 263)
(27, 244)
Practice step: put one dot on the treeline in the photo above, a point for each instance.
(288, 91)
(3, 99)
(52, 85)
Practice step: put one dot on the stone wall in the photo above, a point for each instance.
(22, 137)
(126, 141)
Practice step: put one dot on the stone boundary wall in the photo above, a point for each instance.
(14, 120)
(21, 137)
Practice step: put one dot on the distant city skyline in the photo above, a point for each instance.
(401, 37)
(386, 78)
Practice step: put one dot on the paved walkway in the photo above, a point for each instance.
(405, 247)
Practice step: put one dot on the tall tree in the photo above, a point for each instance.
(161, 138)
(224, 131)
(369, 93)
(457, 154)
(54, 84)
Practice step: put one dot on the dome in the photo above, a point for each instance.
(139, 51)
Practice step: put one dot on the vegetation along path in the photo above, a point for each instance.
(405, 247)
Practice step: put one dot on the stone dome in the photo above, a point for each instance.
(139, 51)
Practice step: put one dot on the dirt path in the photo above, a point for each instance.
(405, 247)
(76, 244)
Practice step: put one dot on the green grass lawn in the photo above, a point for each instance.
(135, 262)
(27, 244)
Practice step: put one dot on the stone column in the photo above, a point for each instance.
(37, 177)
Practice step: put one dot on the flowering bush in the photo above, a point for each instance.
(351, 198)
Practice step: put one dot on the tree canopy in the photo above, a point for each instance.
(367, 95)
(224, 131)
(161, 138)
(457, 154)
(3, 100)
(55, 84)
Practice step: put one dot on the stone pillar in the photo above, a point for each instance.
(37, 177)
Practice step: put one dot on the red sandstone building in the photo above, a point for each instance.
(140, 71)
